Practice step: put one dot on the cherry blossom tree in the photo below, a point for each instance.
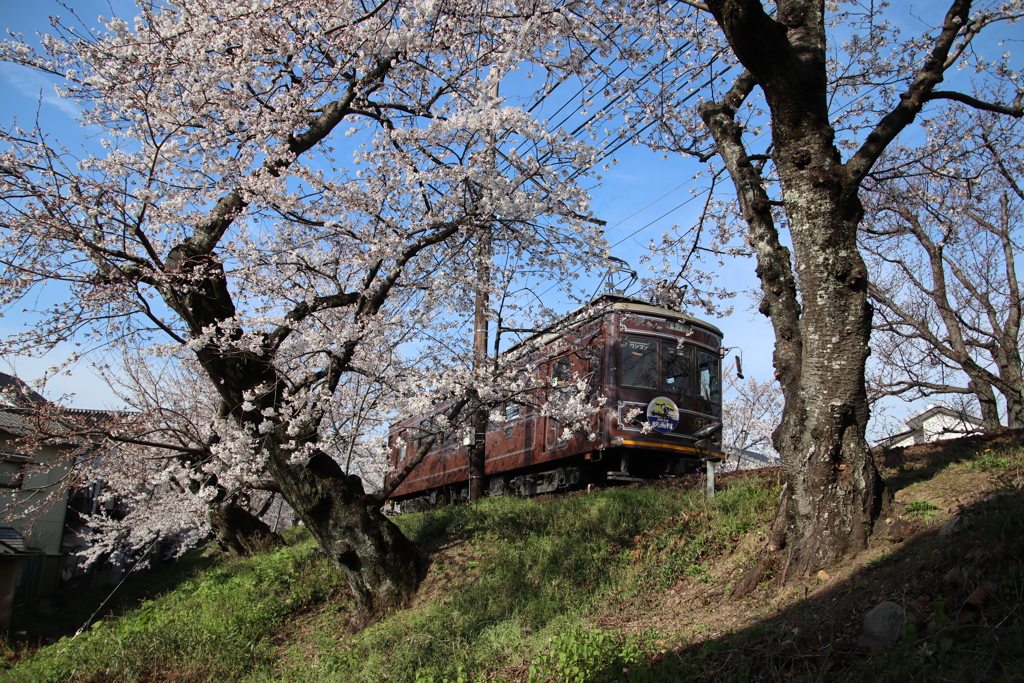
(943, 243)
(795, 102)
(162, 468)
(289, 192)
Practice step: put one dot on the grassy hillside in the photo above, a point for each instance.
(619, 584)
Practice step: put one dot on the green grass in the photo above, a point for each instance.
(538, 569)
(921, 508)
(515, 592)
(962, 455)
(543, 565)
(215, 626)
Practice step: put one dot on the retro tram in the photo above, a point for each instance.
(659, 373)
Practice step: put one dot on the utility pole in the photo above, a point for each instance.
(478, 450)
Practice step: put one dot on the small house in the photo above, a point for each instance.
(937, 421)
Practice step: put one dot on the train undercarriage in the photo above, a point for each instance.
(616, 466)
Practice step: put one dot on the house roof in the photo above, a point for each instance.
(11, 542)
(759, 458)
(14, 393)
(91, 417)
(917, 420)
(14, 424)
(19, 405)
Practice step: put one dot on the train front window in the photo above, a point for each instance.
(676, 363)
(639, 362)
(708, 377)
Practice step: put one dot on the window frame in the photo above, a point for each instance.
(623, 348)
(716, 377)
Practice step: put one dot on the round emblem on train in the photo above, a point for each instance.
(663, 414)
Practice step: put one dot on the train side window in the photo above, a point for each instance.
(708, 377)
(639, 363)
(561, 374)
(422, 433)
(676, 361)
(594, 380)
(396, 448)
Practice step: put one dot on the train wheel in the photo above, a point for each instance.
(496, 486)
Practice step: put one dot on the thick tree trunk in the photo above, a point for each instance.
(239, 531)
(833, 486)
(1014, 411)
(833, 491)
(987, 401)
(1011, 375)
(382, 566)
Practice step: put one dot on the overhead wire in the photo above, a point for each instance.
(610, 145)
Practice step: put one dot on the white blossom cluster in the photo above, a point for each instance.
(306, 185)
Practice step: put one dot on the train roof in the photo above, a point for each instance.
(619, 302)
(603, 304)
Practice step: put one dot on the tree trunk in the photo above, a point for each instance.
(1011, 376)
(382, 566)
(987, 401)
(1014, 411)
(833, 485)
(239, 531)
(833, 489)
(833, 492)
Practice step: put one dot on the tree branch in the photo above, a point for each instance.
(928, 76)
(1015, 110)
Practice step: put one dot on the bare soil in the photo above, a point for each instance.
(812, 623)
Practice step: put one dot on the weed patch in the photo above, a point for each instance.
(921, 508)
(683, 544)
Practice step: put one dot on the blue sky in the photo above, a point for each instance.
(639, 198)
(632, 197)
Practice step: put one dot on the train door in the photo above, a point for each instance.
(563, 376)
(560, 378)
(529, 433)
(507, 440)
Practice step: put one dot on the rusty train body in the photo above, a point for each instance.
(659, 373)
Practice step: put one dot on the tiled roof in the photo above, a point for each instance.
(11, 541)
(13, 424)
(14, 392)
(18, 403)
